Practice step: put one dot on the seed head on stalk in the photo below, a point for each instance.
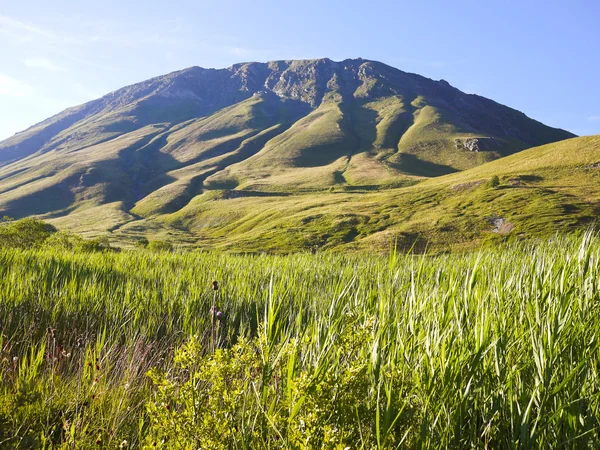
(215, 286)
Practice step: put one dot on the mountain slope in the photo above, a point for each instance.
(279, 128)
(542, 191)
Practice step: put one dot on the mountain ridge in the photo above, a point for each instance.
(274, 128)
(160, 84)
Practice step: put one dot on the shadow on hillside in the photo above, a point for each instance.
(53, 198)
(139, 170)
(413, 165)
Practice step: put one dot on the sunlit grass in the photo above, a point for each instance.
(497, 348)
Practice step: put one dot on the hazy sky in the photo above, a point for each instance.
(541, 57)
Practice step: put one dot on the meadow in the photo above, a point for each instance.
(496, 348)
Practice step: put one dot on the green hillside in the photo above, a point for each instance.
(280, 155)
(541, 191)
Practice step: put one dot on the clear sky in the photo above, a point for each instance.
(541, 57)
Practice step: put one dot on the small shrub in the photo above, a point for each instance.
(93, 245)
(285, 404)
(62, 240)
(160, 246)
(70, 241)
(141, 243)
(494, 181)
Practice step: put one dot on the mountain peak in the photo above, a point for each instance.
(281, 125)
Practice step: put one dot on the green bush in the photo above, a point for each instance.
(255, 396)
(160, 246)
(94, 245)
(25, 233)
(494, 181)
(62, 240)
(141, 243)
(69, 241)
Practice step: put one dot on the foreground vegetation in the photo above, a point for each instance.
(494, 349)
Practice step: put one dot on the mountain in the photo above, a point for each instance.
(144, 156)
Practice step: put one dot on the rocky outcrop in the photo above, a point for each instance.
(478, 144)
(500, 225)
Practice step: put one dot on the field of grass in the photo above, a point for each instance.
(492, 349)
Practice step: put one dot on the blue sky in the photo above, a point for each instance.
(541, 57)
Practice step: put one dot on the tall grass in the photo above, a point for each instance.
(493, 349)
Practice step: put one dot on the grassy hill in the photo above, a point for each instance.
(307, 151)
(541, 191)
